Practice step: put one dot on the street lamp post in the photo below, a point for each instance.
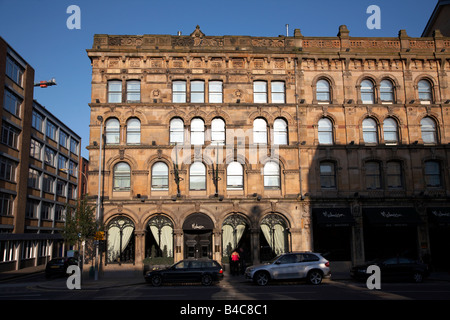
(99, 118)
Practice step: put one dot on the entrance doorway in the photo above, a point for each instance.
(197, 229)
(198, 245)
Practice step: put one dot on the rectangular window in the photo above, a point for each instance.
(133, 91)
(73, 168)
(72, 191)
(35, 149)
(432, 174)
(6, 204)
(48, 184)
(373, 175)
(46, 211)
(260, 92)
(197, 91)
(32, 209)
(7, 251)
(179, 91)
(63, 138)
(327, 175)
(28, 249)
(278, 95)
(73, 146)
(14, 71)
(215, 92)
(62, 161)
(34, 178)
(7, 169)
(10, 135)
(12, 103)
(59, 213)
(49, 157)
(115, 91)
(61, 188)
(51, 131)
(37, 121)
(394, 175)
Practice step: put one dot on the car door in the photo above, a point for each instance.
(306, 262)
(285, 267)
(176, 272)
(389, 268)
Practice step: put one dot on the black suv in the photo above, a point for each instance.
(190, 270)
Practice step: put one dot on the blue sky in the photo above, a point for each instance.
(37, 31)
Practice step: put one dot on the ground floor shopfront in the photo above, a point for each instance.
(352, 233)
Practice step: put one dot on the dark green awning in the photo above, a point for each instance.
(392, 216)
(441, 216)
(333, 217)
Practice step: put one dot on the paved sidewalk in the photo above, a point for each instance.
(118, 278)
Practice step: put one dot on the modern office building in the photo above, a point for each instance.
(39, 158)
(271, 144)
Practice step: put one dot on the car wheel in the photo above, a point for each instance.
(315, 277)
(417, 277)
(261, 278)
(206, 280)
(156, 280)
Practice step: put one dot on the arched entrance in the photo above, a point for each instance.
(274, 236)
(159, 239)
(197, 229)
(120, 240)
(236, 235)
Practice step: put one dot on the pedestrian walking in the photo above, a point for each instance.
(235, 263)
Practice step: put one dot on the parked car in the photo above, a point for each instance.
(58, 266)
(301, 265)
(190, 270)
(396, 268)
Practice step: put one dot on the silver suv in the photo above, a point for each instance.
(295, 265)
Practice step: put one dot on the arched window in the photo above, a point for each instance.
(394, 175)
(218, 131)
(114, 91)
(367, 92)
(323, 94)
(197, 131)
(112, 131)
(260, 92)
(197, 91)
(325, 128)
(259, 131)
(133, 91)
(215, 91)
(197, 176)
(272, 175)
(235, 177)
(432, 174)
(428, 128)
(370, 133)
(373, 175)
(176, 131)
(390, 131)
(425, 94)
(179, 91)
(327, 175)
(133, 131)
(277, 92)
(160, 176)
(122, 177)
(280, 132)
(386, 91)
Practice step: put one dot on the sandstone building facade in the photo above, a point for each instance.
(270, 144)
